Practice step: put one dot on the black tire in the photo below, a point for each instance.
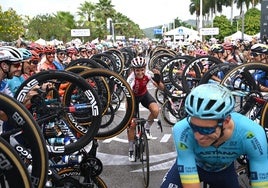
(73, 181)
(145, 159)
(215, 70)
(194, 70)
(86, 93)
(29, 141)
(12, 167)
(122, 118)
(240, 80)
(171, 115)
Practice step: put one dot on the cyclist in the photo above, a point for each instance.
(15, 82)
(47, 61)
(211, 138)
(60, 58)
(138, 80)
(10, 63)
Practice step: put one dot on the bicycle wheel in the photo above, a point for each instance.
(264, 116)
(173, 110)
(12, 167)
(241, 80)
(71, 177)
(50, 108)
(24, 134)
(121, 117)
(145, 160)
(194, 70)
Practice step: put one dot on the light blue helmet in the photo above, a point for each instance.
(26, 54)
(209, 101)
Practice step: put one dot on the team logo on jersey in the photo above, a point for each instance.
(182, 146)
(250, 135)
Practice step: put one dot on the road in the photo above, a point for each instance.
(118, 172)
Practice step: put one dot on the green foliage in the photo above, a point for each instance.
(252, 21)
(11, 25)
(224, 25)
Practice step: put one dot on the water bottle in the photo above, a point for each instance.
(59, 141)
(72, 159)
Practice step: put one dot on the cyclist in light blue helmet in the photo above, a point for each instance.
(211, 138)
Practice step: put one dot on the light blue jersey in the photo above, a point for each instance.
(248, 138)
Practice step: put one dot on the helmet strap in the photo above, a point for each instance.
(221, 134)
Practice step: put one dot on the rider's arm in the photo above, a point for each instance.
(256, 145)
(184, 141)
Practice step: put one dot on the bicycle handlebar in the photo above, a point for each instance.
(143, 120)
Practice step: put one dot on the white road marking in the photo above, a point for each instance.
(115, 139)
(165, 138)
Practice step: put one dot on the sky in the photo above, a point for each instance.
(146, 13)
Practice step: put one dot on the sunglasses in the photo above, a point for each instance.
(35, 62)
(16, 65)
(202, 130)
(50, 53)
(139, 70)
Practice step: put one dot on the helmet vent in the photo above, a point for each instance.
(210, 104)
(199, 103)
(221, 107)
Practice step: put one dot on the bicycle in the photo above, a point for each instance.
(141, 146)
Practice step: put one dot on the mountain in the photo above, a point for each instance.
(149, 32)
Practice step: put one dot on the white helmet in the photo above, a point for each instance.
(138, 62)
(16, 55)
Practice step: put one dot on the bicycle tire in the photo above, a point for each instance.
(103, 90)
(171, 116)
(97, 181)
(264, 116)
(240, 79)
(190, 81)
(145, 159)
(88, 93)
(117, 127)
(12, 167)
(214, 70)
(31, 139)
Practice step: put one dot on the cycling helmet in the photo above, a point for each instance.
(259, 48)
(200, 52)
(26, 54)
(35, 57)
(217, 48)
(138, 62)
(209, 101)
(72, 50)
(16, 55)
(5, 55)
(36, 47)
(191, 48)
(227, 46)
(49, 49)
(61, 49)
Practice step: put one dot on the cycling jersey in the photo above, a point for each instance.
(5, 89)
(14, 83)
(139, 86)
(247, 138)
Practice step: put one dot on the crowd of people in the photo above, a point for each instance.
(208, 141)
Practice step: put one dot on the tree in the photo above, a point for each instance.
(11, 27)
(252, 21)
(224, 25)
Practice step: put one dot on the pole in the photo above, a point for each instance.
(113, 34)
(201, 18)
